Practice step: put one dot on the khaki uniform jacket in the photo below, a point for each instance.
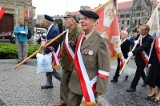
(100, 60)
(66, 64)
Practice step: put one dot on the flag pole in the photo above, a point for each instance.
(101, 6)
(153, 13)
(138, 41)
(47, 44)
(128, 58)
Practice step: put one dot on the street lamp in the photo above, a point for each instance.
(15, 13)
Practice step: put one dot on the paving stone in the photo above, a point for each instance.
(21, 87)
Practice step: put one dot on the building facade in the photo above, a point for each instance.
(134, 13)
(14, 10)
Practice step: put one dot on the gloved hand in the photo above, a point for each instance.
(130, 54)
(124, 60)
(149, 65)
(22, 32)
(136, 42)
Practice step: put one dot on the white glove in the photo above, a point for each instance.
(149, 65)
(22, 32)
(124, 60)
(130, 54)
(136, 42)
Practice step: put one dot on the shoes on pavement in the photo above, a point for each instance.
(59, 104)
(126, 77)
(131, 89)
(46, 86)
(150, 97)
(143, 85)
(113, 80)
(155, 101)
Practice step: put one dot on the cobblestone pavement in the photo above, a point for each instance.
(21, 87)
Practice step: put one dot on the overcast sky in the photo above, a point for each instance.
(59, 7)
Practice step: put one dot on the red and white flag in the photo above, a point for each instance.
(108, 24)
(2, 11)
(157, 47)
(27, 13)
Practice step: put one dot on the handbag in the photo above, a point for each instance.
(44, 63)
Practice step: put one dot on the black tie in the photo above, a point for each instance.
(83, 40)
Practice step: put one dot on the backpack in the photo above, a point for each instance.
(29, 34)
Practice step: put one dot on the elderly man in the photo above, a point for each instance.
(53, 31)
(92, 63)
(71, 22)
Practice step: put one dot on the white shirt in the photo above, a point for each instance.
(49, 28)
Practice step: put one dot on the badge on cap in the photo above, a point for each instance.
(90, 52)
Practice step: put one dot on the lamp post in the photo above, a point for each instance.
(131, 23)
(15, 13)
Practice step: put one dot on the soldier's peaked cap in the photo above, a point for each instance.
(47, 17)
(89, 14)
(72, 16)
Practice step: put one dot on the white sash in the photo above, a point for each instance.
(69, 50)
(86, 84)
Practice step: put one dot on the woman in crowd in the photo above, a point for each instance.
(125, 47)
(153, 78)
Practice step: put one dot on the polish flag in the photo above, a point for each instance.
(27, 13)
(2, 11)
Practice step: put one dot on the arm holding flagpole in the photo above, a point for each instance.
(127, 60)
(138, 40)
(47, 44)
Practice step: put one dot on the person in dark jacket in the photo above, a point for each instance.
(153, 77)
(141, 53)
(53, 31)
(132, 37)
(125, 47)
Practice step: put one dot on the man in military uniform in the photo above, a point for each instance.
(71, 23)
(95, 57)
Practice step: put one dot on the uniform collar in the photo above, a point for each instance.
(88, 35)
(50, 27)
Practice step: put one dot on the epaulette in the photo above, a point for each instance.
(103, 35)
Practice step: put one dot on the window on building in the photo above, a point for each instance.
(138, 14)
(127, 22)
(138, 7)
(122, 16)
(135, 21)
(122, 21)
(127, 15)
(139, 22)
(142, 14)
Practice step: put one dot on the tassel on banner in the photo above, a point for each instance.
(56, 67)
(91, 104)
(83, 102)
